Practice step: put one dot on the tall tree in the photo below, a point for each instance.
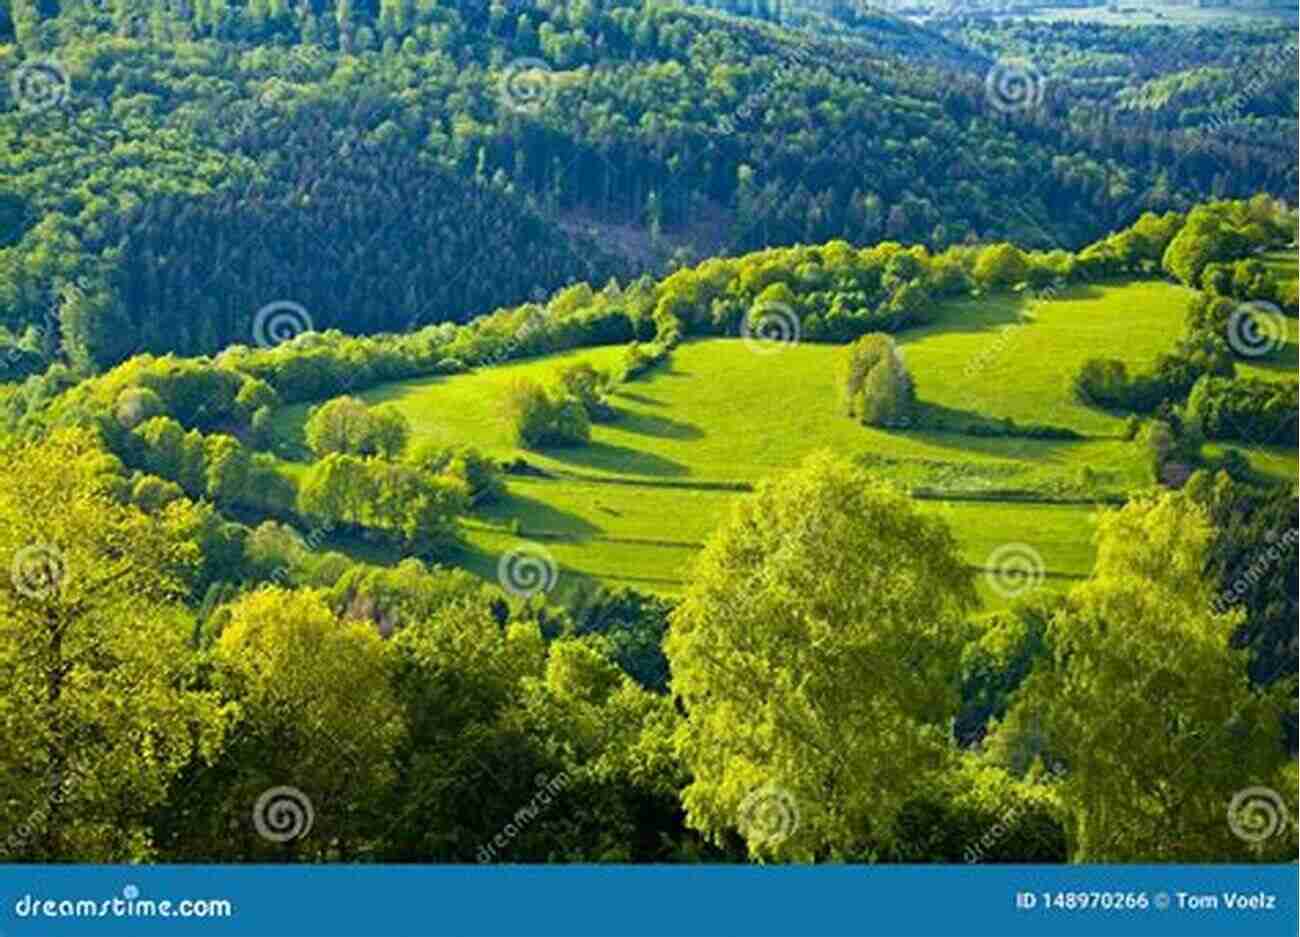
(815, 653)
(98, 713)
(1146, 704)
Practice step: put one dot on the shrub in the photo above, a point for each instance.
(589, 385)
(1102, 382)
(135, 405)
(1000, 266)
(640, 357)
(480, 475)
(538, 418)
(876, 386)
(347, 425)
(1252, 410)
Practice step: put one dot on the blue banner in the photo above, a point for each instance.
(649, 901)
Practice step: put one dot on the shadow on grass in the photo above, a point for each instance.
(571, 586)
(398, 390)
(968, 432)
(622, 460)
(639, 398)
(535, 515)
(647, 424)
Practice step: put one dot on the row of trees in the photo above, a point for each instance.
(1211, 249)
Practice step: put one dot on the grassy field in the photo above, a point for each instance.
(634, 506)
(647, 536)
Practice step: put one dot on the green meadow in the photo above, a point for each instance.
(634, 506)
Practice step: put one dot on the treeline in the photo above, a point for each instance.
(1233, 80)
(833, 292)
(1213, 249)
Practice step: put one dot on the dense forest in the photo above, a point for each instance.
(573, 141)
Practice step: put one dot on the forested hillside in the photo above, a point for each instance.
(571, 141)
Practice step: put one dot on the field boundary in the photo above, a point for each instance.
(1008, 495)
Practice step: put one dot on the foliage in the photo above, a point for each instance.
(95, 657)
(1249, 409)
(821, 583)
(347, 425)
(417, 509)
(539, 417)
(275, 655)
(481, 476)
(1144, 700)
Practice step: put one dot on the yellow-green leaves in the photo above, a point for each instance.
(815, 652)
